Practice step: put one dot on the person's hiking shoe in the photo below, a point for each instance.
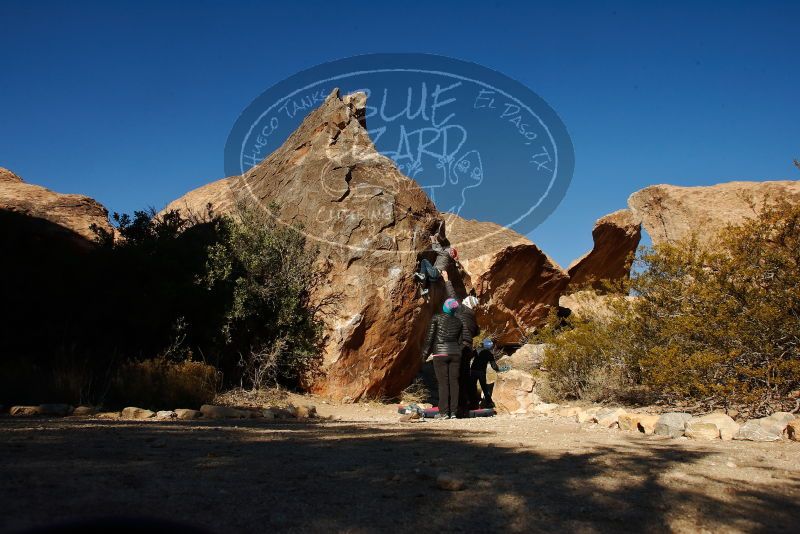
(440, 416)
(424, 291)
(419, 276)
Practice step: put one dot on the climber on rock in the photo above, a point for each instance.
(431, 272)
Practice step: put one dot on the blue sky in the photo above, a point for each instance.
(131, 102)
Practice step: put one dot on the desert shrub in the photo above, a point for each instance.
(716, 325)
(202, 287)
(160, 383)
(269, 321)
(589, 359)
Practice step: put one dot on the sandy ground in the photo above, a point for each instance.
(364, 471)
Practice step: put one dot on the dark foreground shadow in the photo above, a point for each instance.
(326, 477)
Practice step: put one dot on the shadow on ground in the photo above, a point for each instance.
(348, 477)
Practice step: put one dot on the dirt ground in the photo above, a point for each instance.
(365, 471)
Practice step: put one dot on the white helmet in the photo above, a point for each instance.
(470, 302)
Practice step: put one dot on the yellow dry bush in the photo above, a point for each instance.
(715, 325)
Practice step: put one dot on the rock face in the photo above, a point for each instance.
(615, 237)
(369, 221)
(670, 212)
(71, 215)
(516, 283)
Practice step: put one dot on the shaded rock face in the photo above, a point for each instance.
(615, 237)
(72, 215)
(369, 221)
(516, 283)
(671, 213)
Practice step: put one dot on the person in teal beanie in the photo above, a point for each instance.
(443, 341)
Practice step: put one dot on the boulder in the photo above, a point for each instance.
(630, 422)
(211, 411)
(516, 283)
(185, 413)
(587, 415)
(670, 212)
(166, 415)
(71, 215)
(131, 412)
(696, 429)
(370, 223)
(615, 237)
(526, 358)
(764, 429)
(725, 424)
(672, 424)
(793, 430)
(647, 423)
(59, 410)
(781, 419)
(84, 411)
(21, 411)
(608, 417)
(513, 393)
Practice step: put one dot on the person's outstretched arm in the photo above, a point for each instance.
(426, 347)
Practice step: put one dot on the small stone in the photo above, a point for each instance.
(185, 413)
(731, 465)
(21, 411)
(568, 411)
(60, 410)
(544, 407)
(166, 415)
(131, 412)
(726, 425)
(84, 411)
(672, 424)
(698, 430)
(449, 483)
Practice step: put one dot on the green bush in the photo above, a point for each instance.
(717, 325)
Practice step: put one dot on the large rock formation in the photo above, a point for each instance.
(516, 283)
(71, 215)
(370, 223)
(670, 212)
(615, 237)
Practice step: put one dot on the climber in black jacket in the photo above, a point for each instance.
(444, 343)
(466, 312)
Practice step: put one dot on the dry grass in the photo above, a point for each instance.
(245, 398)
(163, 384)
